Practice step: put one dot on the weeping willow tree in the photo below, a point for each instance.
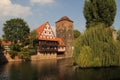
(96, 47)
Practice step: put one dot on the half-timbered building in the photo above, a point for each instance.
(48, 43)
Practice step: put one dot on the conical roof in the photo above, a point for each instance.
(64, 18)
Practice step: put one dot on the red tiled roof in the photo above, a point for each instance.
(60, 41)
(4, 43)
(40, 29)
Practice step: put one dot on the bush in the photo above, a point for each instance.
(85, 57)
(24, 53)
(12, 53)
(96, 48)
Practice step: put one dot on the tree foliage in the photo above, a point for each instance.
(32, 42)
(76, 34)
(118, 35)
(85, 58)
(15, 30)
(1, 46)
(99, 11)
(26, 49)
(24, 53)
(97, 47)
(14, 49)
(33, 38)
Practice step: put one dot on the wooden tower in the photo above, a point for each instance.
(64, 30)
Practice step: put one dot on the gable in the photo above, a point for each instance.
(45, 31)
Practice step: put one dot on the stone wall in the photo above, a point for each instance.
(9, 59)
(3, 59)
(43, 56)
(64, 30)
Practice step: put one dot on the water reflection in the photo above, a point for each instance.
(54, 70)
(98, 74)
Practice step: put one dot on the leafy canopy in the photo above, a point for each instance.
(118, 35)
(15, 30)
(76, 34)
(99, 11)
(96, 48)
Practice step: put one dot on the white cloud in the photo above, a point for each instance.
(7, 8)
(42, 2)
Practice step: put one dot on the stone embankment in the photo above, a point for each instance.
(8, 57)
(3, 59)
(43, 56)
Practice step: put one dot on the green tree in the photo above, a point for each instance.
(99, 11)
(32, 42)
(76, 34)
(33, 37)
(14, 49)
(15, 30)
(118, 35)
(1, 46)
(29, 48)
(24, 53)
(96, 48)
(85, 58)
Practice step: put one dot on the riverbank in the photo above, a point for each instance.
(3, 59)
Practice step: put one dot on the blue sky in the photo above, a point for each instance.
(36, 12)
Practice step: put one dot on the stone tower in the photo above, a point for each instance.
(64, 30)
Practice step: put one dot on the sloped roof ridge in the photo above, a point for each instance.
(60, 41)
(41, 28)
(64, 18)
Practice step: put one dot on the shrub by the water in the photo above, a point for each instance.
(85, 57)
(97, 48)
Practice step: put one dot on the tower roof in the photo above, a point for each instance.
(64, 18)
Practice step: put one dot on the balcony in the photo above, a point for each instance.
(48, 50)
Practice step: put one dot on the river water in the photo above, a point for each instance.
(54, 70)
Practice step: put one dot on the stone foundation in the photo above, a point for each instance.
(3, 59)
(9, 59)
(43, 56)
